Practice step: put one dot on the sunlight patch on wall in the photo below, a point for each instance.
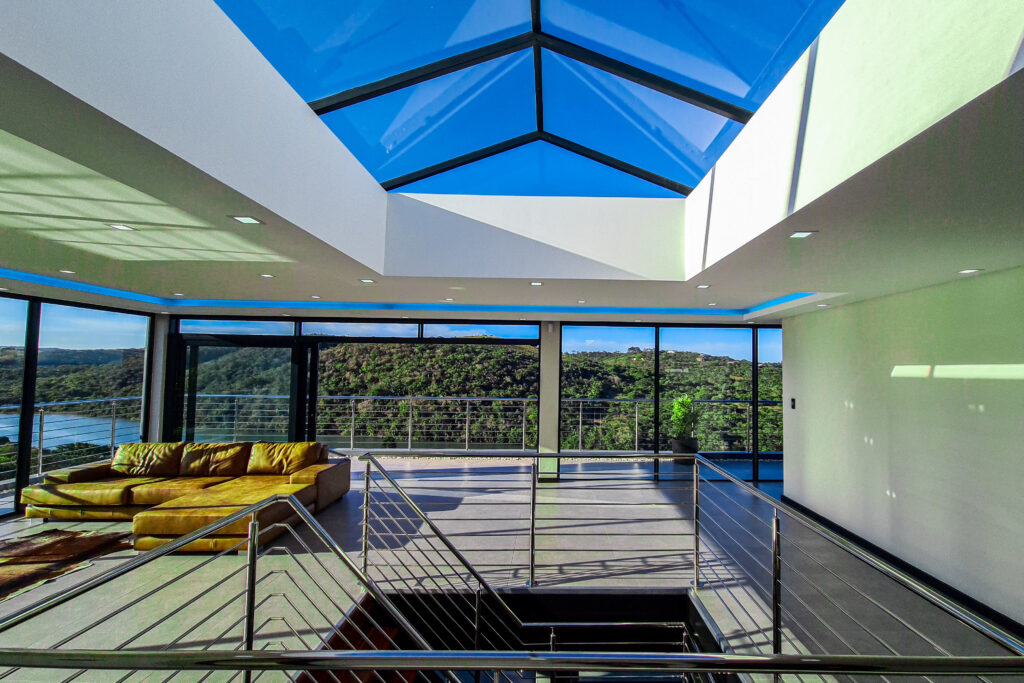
(972, 371)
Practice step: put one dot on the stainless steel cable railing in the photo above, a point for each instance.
(302, 593)
(790, 584)
(406, 554)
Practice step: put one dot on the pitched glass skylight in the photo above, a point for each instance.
(644, 96)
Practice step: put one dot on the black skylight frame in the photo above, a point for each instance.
(537, 40)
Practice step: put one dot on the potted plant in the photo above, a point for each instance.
(685, 413)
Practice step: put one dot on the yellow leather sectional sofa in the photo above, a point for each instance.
(171, 489)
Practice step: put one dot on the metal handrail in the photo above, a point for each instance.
(980, 624)
(442, 537)
(536, 661)
(50, 602)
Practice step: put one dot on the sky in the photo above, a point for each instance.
(68, 327)
(81, 328)
(731, 342)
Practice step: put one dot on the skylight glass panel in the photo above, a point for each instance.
(322, 48)
(425, 124)
(634, 124)
(734, 49)
(538, 169)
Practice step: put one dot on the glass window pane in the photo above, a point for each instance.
(322, 48)
(737, 51)
(241, 394)
(360, 329)
(374, 395)
(236, 327)
(13, 314)
(539, 169)
(440, 119)
(607, 388)
(713, 367)
(632, 123)
(89, 383)
(487, 331)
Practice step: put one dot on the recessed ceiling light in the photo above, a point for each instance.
(703, 286)
(457, 288)
(636, 321)
(802, 234)
(712, 304)
(367, 281)
(314, 296)
(287, 315)
(582, 301)
(822, 305)
(266, 275)
(67, 272)
(405, 317)
(165, 312)
(536, 284)
(248, 220)
(4, 289)
(522, 318)
(178, 294)
(449, 299)
(969, 271)
(121, 226)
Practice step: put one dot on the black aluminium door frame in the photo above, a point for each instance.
(754, 402)
(182, 369)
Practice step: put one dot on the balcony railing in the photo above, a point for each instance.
(67, 433)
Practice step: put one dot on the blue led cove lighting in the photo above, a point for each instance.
(49, 281)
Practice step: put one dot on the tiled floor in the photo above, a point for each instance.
(600, 525)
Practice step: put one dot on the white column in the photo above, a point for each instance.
(550, 370)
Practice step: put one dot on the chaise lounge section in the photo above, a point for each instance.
(171, 489)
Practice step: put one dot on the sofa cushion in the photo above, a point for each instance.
(91, 472)
(193, 511)
(215, 459)
(282, 458)
(148, 459)
(103, 492)
(169, 489)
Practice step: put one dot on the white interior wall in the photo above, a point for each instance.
(928, 468)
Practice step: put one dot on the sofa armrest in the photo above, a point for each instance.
(332, 480)
(91, 472)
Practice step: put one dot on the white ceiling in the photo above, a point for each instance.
(948, 199)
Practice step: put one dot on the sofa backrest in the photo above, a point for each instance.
(216, 459)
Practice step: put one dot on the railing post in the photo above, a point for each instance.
(41, 412)
(776, 584)
(636, 426)
(408, 446)
(696, 524)
(352, 425)
(476, 620)
(580, 447)
(250, 589)
(468, 404)
(113, 428)
(524, 425)
(366, 516)
(533, 522)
